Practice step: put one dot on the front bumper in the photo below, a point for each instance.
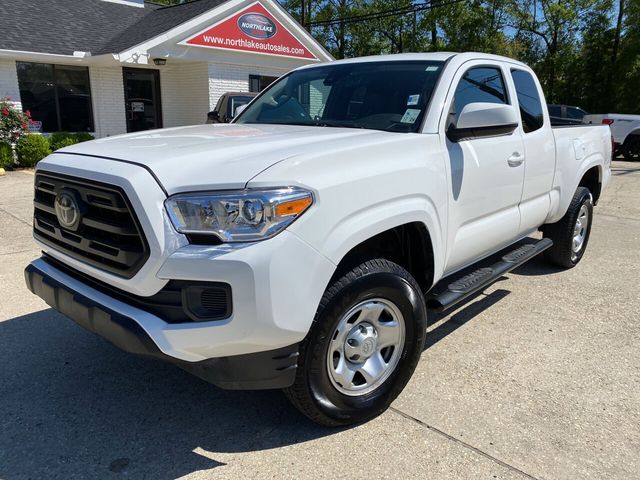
(118, 323)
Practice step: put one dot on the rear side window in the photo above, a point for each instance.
(480, 84)
(575, 113)
(529, 100)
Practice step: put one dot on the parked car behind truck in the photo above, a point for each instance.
(625, 130)
(228, 105)
(565, 115)
(301, 246)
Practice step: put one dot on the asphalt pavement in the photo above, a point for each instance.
(538, 377)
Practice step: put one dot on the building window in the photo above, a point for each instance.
(257, 83)
(57, 95)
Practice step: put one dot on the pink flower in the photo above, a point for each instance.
(28, 114)
(5, 112)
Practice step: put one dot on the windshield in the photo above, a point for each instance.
(390, 96)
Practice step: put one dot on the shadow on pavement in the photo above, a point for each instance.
(72, 405)
(537, 266)
(468, 312)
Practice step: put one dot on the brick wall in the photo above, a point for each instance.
(107, 94)
(234, 78)
(185, 93)
(9, 81)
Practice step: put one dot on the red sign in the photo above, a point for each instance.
(253, 29)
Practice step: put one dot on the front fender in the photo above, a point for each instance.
(374, 219)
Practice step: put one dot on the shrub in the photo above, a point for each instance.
(13, 123)
(6, 156)
(62, 139)
(84, 137)
(31, 149)
(65, 142)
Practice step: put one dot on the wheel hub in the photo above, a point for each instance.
(361, 342)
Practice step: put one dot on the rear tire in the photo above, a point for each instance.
(571, 233)
(363, 346)
(631, 148)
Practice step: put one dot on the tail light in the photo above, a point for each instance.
(607, 121)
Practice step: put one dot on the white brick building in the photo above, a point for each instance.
(113, 66)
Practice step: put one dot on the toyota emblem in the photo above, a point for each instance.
(67, 211)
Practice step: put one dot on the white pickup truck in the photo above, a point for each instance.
(625, 130)
(301, 246)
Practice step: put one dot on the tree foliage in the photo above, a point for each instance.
(585, 52)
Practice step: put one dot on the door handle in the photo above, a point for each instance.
(515, 160)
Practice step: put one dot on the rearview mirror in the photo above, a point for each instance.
(213, 117)
(481, 119)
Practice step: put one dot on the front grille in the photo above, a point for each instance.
(108, 235)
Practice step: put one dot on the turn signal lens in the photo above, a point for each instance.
(607, 121)
(293, 207)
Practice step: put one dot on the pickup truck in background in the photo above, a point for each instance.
(565, 115)
(301, 246)
(625, 130)
(227, 106)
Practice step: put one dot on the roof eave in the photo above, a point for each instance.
(53, 57)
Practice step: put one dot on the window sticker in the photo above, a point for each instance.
(432, 68)
(413, 100)
(410, 115)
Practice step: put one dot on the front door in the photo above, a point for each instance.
(142, 99)
(485, 184)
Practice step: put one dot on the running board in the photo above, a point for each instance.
(480, 279)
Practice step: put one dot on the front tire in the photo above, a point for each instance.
(363, 346)
(571, 233)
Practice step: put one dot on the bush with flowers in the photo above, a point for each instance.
(13, 123)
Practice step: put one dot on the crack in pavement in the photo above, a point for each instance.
(617, 217)
(19, 251)
(16, 217)
(464, 444)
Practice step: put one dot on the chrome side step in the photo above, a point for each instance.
(478, 280)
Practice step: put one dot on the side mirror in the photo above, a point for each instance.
(239, 110)
(213, 117)
(477, 120)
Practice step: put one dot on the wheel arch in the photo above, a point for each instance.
(592, 179)
(409, 245)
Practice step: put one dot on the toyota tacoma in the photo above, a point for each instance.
(301, 246)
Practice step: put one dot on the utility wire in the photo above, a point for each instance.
(382, 14)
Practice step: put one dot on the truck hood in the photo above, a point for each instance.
(220, 156)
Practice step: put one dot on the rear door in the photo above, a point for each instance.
(486, 174)
(539, 150)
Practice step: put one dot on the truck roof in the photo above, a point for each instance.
(432, 56)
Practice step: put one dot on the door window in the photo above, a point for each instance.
(480, 84)
(529, 100)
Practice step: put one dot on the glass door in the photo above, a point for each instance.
(142, 99)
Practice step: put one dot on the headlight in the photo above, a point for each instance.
(238, 216)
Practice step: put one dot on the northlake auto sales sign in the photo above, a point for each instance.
(253, 29)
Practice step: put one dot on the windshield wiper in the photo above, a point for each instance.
(325, 123)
